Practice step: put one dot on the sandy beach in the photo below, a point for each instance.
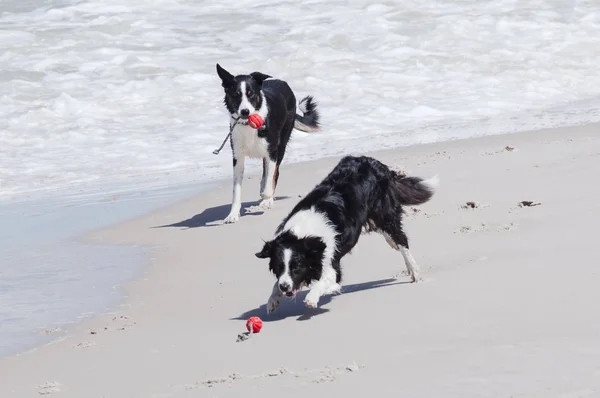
(508, 306)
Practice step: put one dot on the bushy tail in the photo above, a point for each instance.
(310, 121)
(415, 190)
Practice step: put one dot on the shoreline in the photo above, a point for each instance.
(153, 306)
(63, 277)
(581, 112)
(100, 236)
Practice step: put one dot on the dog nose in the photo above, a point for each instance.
(284, 287)
(245, 112)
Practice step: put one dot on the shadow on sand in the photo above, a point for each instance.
(218, 213)
(295, 307)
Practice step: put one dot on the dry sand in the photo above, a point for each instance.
(509, 306)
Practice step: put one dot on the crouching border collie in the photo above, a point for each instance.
(360, 195)
(275, 102)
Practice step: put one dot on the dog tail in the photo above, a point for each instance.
(310, 121)
(414, 190)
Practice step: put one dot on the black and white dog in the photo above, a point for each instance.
(275, 102)
(360, 195)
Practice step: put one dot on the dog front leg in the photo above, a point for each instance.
(236, 203)
(274, 299)
(326, 285)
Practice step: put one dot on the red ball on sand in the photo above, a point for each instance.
(255, 121)
(256, 324)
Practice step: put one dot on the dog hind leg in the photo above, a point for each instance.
(272, 163)
(398, 240)
(263, 180)
(270, 169)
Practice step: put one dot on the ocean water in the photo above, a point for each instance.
(107, 92)
(104, 96)
(48, 280)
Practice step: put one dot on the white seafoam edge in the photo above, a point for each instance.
(154, 114)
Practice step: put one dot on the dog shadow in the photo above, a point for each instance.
(296, 307)
(218, 213)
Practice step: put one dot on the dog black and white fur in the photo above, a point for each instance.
(359, 195)
(275, 102)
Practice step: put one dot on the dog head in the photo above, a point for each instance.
(295, 262)
(243, 95)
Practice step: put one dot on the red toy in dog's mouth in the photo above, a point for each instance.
(255, 121)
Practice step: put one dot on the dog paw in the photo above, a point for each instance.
(266, 194)
(266, 204)
(333, 289)
(231, 218)
(272, 305)
(311, 301)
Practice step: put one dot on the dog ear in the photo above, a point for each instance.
(259, 77)
(266, 250)
(226, 77)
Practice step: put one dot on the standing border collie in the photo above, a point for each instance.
(360, 195)
(275, 102)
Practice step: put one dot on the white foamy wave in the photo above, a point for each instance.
(101, 92)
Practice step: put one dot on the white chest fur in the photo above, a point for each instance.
(247, 143)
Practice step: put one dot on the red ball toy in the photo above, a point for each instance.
(255, 121)
(256, 324)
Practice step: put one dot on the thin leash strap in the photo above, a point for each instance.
(216, 151)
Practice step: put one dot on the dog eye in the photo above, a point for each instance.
(249, 93)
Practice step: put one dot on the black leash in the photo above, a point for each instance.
(216, 151)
